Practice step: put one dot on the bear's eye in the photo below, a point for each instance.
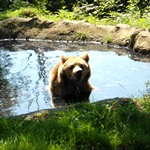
(70, 67)
(81, 66)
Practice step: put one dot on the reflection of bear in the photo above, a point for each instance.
(69, 80)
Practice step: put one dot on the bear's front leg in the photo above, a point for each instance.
(57, 101)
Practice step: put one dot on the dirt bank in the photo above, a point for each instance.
(33, 28)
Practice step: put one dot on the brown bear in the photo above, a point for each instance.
(68, 81)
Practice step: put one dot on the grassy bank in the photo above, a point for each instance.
(115, 18)
(112, 125)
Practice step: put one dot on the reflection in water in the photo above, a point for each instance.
(6, 100)
(24, 76)
(23, 81)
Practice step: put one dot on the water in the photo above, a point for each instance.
(24, 75)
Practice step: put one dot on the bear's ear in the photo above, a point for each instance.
(63, 58)
(85, 57)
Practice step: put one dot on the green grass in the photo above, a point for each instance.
(22, 12)
(103, 126)
(132, 19)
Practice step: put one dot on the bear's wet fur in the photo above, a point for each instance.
(68, 81)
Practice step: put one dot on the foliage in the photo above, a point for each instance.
(132, 12)
(12, 4)
(111, 125)
(98, 8)
(22, 12)
(115, 17)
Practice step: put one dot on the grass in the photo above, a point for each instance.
(108, 39)
(112, 125)
(132, 19)
(80, 36)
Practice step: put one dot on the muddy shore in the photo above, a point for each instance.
(137, 40)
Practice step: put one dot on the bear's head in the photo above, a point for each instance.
(75, 68)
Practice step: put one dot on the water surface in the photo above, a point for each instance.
(24, 76)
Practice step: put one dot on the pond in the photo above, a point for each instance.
(25, 66)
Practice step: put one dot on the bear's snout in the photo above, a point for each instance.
(78, 75)
(77, 71)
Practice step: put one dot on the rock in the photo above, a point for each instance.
(142, 42)
(122, 34)
(34, 28)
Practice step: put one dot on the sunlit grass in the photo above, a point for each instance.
(115, 18)
(22, 12)
(110, 125)
(130, 19)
